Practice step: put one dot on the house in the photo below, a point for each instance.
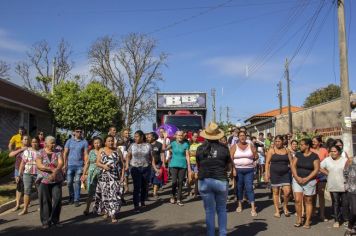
(266, 122)
(20, 107)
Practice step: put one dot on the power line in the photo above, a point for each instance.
(278, 35)
(231, 22)
(284, 44)
(184, 20)
(146, 10)
(315, 38)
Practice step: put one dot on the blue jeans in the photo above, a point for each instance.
(214, 194)
(73, 181)
(140, 178)
(244, 180)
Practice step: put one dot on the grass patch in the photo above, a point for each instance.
(7, 192)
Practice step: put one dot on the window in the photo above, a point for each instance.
(190, 123)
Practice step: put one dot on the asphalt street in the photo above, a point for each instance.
(162, 218)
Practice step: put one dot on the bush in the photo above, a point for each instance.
(6, 164)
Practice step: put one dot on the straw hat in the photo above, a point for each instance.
(212, 132)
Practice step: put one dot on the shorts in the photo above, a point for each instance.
(28, 181)
(154, 179)
(261, 159)
(280, 185)
(194, 168)
(16, 173)
(308, 189)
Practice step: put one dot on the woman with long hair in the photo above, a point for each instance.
(91, 171)
(278, 163)
(28, 171)
(193, 164)
(333, 167)
(305, 168)
(109, 190)
(321, 178)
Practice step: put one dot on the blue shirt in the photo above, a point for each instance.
(178, 154)
(76, 149)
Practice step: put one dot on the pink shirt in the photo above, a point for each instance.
(29, 159)
(244, 158)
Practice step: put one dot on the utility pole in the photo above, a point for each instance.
(290, 120)
(344, 82)
(227, 114)
(213, 94)
(280, 96)
(53, 75)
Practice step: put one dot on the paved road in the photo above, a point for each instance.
(162, 218)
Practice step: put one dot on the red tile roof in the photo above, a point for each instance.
(274, 113)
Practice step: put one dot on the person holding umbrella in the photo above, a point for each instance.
(214, 161)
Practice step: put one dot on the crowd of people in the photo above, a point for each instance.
(301, 170)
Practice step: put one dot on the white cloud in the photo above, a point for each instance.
(239, 66)
(9, 44)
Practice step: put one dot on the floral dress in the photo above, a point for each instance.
(109, 189)
(93, 173)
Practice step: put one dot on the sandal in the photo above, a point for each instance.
(114, 220)
(287, 213)
(306, 226)
(23, 213)
(15, 208)
(277, 215)
(239, 209)
(297, 225)
(172, 200)
(179, 203)
(253, 213)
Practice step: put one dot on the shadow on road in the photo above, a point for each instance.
(125, 227)
(249, 229)
(131, 227)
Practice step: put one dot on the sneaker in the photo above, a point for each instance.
(179, 203)
(346, 224)
(76, 204)
(137, 210)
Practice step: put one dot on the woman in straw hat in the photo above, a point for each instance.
(213, 159)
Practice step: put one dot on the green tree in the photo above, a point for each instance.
(225, 126)
(322, 95)
(93, 107)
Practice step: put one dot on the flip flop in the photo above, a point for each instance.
(297, 225)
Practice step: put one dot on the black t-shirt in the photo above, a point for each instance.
(213, 165)
(156, 152)
(305, 164)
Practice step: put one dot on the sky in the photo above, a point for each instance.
(238, 47)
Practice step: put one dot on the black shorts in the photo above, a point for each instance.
(20, 186)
